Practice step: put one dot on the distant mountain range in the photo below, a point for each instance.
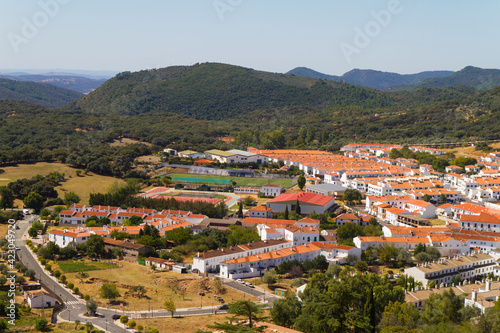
(36, 93)
(80, 84)
(478, 78)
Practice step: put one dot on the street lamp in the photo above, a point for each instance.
(106, 325)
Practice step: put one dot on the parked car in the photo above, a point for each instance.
(195, 270)
(115, 317)
(250, 285)
(223, 307)
(240, 281)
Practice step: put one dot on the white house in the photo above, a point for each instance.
(63, 237)
(481, 222)
(39, 300)
(272, 190)
(260, 211)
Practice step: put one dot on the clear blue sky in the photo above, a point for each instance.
(271, 35)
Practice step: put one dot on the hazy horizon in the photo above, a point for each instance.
(332, 37)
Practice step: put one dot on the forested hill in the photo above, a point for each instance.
(481, 79)
(219, 92)
(36, 93)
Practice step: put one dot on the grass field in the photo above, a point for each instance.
(243, 181)
(82, 186)
(159, 286)
(72, 266)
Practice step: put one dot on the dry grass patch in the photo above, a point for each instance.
(461, 151)
(3, 230)
(83, 186)
(435, 222)
(182, 324)
(160, 286)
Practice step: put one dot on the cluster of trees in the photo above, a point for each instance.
(350, 301)
(295, 269)
(348, 231)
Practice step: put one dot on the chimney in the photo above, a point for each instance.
(474, 295)
(488, 285)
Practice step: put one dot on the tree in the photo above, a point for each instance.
(41, 324)
(109, 291)
(3, 280)
(333, 270)
(33, 200)
(71, 198)
(443, 307)
(240, 210)
(77, 322)
(442, 198)
(297, 207)
(6, 197)
(245, 308)
(89, 327)
(140, 328)
(361, 266)
(169, 305)
(270, 277)
(30, 273)
(91, 306)
(124, 319)
(427, 198)
(400, 314)
(132, 324)
(286, 212)
(351, 195)
(81, 276)
(369, 311)
(241, 236)
(301, 182)
(285, 311)
(32, 232)
(95, 246)
(433, 252)
(347, 232)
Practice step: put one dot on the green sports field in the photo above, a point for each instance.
(242, 181)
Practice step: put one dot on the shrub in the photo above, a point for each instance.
(76, 290)
(57, 274)
(48, 267)
(70, 285)
(43, 262)
(132, 324)
(86, 297)
(62, 278)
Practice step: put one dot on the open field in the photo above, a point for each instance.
(435, 222)
(83, 186)
(461, 151)
(182, 324)
(71, 266)
(243, 181)
(160, 286)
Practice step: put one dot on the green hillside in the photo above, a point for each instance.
(220, 92)
(36, 93)
(481, 79)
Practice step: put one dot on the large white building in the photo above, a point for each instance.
(210, 261)
(442, 271)
(258, 264)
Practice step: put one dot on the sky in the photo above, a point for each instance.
(330, 36)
